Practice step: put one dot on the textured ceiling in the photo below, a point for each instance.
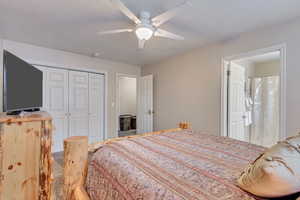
(72, 25)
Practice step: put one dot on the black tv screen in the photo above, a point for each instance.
(23, 85)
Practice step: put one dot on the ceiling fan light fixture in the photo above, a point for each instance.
(146, 26)
(144, 33)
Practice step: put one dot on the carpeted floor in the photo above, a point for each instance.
(58, 175)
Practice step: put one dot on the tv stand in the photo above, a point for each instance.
(32, 110)
(26, 158)
(20, 111)
(14, 113)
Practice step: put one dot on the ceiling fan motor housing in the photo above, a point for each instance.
(145, 17)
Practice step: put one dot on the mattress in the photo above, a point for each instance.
(170, 166)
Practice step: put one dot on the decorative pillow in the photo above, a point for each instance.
(276, 172)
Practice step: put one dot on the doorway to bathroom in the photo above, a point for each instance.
(253, 89)
(127, 105)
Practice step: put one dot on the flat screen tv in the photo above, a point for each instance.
(22, 85)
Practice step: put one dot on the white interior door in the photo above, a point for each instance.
(78, 103)
(236, 102)
(145, 104)
(55, 101)
(96, 107)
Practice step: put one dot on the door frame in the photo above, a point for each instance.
(224, 85)
(118, 102)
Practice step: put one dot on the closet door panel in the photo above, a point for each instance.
(96, 131)
(76, 102)
(79, 103)
(60, 132)
(96, 107)
(79, 126)
(56, 103)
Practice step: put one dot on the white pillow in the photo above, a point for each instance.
(276, 172)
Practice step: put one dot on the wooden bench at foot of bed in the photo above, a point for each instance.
(76, 160)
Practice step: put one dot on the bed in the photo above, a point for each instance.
(178, 164)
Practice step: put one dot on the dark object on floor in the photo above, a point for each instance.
(125, 122)
(133, 122)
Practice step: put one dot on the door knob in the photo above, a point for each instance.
(151, 112)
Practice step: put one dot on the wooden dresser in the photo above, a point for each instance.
(25, 157)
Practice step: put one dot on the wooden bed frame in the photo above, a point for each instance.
(76, 150)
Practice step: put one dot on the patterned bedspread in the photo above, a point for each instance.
(170, 166)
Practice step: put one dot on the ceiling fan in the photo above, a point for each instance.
(145, 26)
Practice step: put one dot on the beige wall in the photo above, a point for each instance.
(127, 95)
(268, 68)
(188, 87)
(260, 69)
(56, 58)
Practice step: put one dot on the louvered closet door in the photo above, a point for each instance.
(56, 103)
(78, 103)
(96, 107)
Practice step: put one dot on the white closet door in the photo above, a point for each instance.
(96, 107)
(55, 102)
(78, 103)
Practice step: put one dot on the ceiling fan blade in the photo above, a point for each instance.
(126, 11)
(161, 19)
(166, 34)
(142, 44)
(115, 31)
